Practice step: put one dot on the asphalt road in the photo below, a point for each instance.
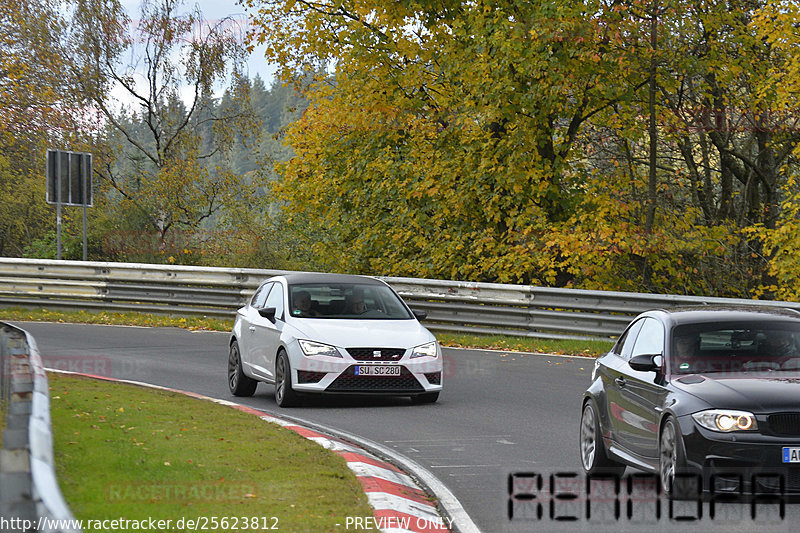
(500, 415)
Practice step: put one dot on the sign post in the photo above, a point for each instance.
(69, 182)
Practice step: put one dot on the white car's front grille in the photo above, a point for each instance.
(376, 354)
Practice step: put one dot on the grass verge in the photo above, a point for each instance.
(123, 451)
(19, 314)
(498, 342)
(525, 344)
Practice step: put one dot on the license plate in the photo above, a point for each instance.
(377, 370)
(791, 455)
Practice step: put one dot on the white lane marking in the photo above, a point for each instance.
(436, 445)
(479, 437)
(383, 501)
(279, 421)
(465, 466)
(367, 470)
(334, 445)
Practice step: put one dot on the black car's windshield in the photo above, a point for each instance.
(736, 347)
(346, 300)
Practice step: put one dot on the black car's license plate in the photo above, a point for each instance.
(377, 370)
(791, 455)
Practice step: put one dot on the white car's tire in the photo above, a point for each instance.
(285, 395)
(238, 383)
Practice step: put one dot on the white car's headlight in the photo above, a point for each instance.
(316, 348)
(726, 420)
(426, 350)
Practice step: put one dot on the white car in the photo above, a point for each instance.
(332, 333)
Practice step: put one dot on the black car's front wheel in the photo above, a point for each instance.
(594, 458)
(285, 396)
(672, 461)
(238, 383)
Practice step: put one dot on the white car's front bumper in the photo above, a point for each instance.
(334, 374)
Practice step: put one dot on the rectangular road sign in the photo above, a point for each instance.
(70, 174)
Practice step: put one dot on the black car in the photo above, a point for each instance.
(712, 394)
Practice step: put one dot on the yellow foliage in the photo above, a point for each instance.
(473, 143)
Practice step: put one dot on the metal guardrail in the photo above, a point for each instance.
(30, 498)
(483, 308)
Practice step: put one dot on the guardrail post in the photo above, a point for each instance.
(530, 325)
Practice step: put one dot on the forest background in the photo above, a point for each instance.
(648, 146)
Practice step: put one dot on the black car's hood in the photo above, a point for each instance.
(762, 394)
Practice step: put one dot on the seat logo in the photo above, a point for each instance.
(376, 354)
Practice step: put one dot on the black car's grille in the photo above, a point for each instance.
(787, 480)
(383, 354)
(793, 479)
(434, 378)
(733, 479)
(349, 382)
(304, 376)
(785, 424)
(769, 482)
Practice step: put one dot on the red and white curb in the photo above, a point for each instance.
(400, 504)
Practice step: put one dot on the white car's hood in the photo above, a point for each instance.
(363, 333)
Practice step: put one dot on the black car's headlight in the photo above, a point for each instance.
(426, 350)
(311, 348)
(726, 420)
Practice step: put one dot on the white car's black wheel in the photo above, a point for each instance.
(594, 458)
(428, 397)
(285, 396)
(672, 461)
(238, 383)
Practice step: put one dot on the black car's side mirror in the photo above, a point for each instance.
(420, 315)
(646, 362)
(268, 313)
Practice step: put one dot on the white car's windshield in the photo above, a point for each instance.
(346, 300)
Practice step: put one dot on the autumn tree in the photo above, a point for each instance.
(587, 144)
(40, 108)
(776, 24)
(721, 144)
(169, 128)
(442, 146)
